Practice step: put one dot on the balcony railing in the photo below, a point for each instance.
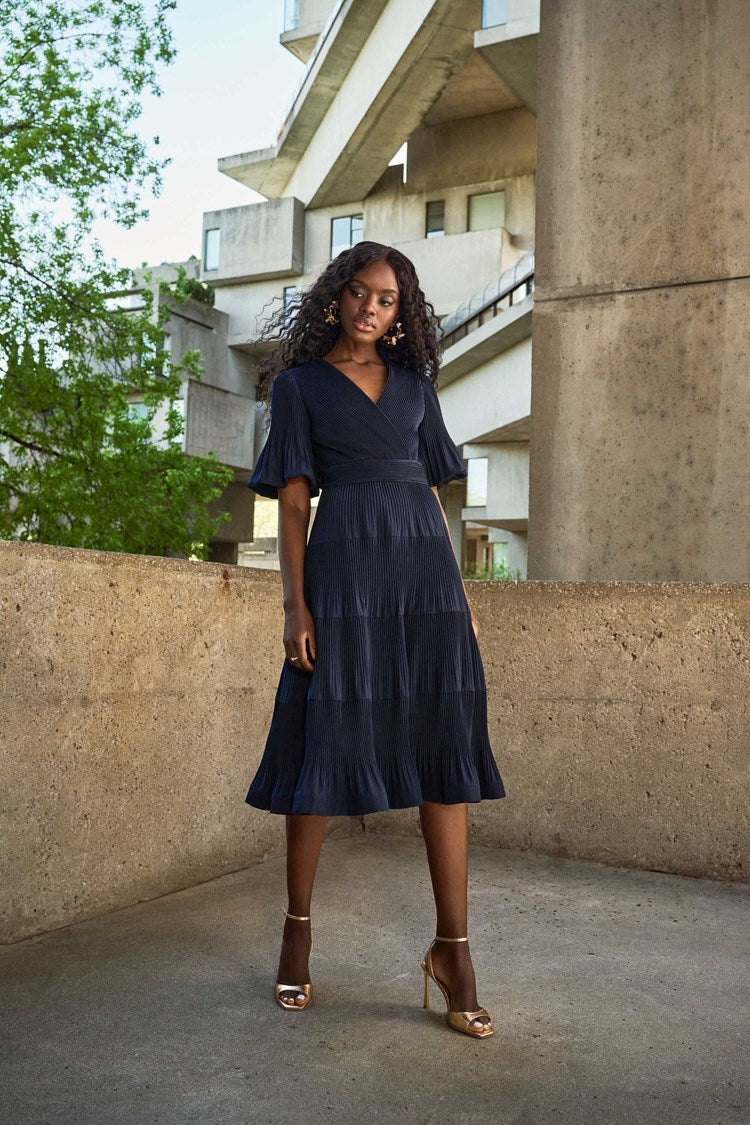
(512, 287)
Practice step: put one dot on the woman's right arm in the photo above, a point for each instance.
(294, 521)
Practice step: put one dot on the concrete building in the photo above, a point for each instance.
(218, 409)
(452, 85)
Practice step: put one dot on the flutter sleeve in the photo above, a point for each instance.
(437, 450)
(287, 451)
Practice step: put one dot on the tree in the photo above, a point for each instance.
(77, 466)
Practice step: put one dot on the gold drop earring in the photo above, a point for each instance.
(331, 312)
(392, 337)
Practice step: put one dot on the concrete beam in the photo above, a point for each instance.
(336, 48)
(367, 89)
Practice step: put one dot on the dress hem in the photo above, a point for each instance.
(282, 808)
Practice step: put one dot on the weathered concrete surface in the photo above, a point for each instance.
(640, 436)
(619, 716)
(137, 692)
(644, 162)
(618, 996)
(258, 241)
(640, 424)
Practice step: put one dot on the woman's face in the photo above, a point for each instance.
(368, 305)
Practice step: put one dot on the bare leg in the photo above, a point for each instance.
(446, 834)
(304, 839)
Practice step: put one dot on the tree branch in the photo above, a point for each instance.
(16, 127)
(35, 448)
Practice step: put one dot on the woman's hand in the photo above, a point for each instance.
(474, 622)
(299, 636)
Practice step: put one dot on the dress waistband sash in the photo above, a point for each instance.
(384, 468)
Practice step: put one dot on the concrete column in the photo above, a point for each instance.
(640, 419)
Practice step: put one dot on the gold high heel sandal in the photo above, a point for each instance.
(460, 1021)
(291, 1005)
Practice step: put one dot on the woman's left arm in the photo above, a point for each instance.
(474, 622)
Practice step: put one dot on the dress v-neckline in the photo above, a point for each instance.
(375, 402)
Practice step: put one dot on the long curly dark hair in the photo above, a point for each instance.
(299, 332)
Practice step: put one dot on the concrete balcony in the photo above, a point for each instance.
(489, 401)
(485, 394)
(255, 242)
(456, 264)
(489, 340)
(217, 421)
(493, 319)
(375, 71)
(302, 34)
(511, 49)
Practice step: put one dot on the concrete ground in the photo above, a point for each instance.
(618, 996)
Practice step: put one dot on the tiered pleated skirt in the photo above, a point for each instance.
(395, 711)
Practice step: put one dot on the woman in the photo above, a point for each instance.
(381, 701)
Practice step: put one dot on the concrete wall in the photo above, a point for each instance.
(222, 423)
(489, 152)
(137, 693)
(493, 396)
(195, 325)
(318, 236)
(258, 241)
(507, 483)
(619, 716)
(640, 428)
(455, 265)
(518, 549)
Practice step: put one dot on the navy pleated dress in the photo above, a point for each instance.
(395, 711)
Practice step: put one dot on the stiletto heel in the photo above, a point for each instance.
(307, 989)
(459, 1021)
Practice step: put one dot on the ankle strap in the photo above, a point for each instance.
(439, 938)
(299, 917)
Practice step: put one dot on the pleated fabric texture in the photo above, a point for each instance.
(395, 711)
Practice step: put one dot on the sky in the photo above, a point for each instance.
(227, 91)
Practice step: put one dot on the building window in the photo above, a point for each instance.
(289, 295)
(435, 219)
(346, 230)
(211, 241)
(291, 15)
(138, 410)
(476, 482)
(494, 12)
(487, 210)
